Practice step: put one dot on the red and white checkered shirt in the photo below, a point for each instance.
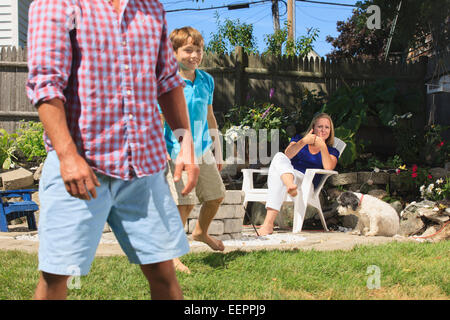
(108, 69)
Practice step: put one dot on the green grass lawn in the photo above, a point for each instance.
(407, 271)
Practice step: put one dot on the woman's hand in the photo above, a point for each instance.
(310, 138)
(320, 143)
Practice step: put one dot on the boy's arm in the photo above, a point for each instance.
(173, 106)
(215, 135)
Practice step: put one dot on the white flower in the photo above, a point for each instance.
(376, 169)
(439, 181)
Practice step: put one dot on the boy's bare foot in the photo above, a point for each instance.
(180, 266)
(265, 230)
(214, 244)
(292, 190)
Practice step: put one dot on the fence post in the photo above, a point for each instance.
(240, 85)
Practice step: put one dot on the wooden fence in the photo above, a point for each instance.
(237, 77)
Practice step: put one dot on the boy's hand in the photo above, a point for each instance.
(186, 161)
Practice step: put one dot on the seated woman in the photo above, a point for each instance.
(313, 150)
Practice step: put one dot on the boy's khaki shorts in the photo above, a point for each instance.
(209, 185)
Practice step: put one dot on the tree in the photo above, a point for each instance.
(278, 43)
(230, 34)
(416, 19)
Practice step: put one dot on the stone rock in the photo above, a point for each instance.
(343, 179)
(232, 225)
(437, 173)
(411, 222)
(17, 179)
(397, 205)
(375, 177)
(233, 197)
(37, 174)
(411, 225)
(378, 193)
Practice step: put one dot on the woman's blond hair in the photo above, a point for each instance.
(180, 37)
(330, 139)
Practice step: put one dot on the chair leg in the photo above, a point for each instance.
(250, 218)
(3, 221)
(31, 221)
(322, 219)
(299, 214)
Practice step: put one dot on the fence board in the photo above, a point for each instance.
(257, 74)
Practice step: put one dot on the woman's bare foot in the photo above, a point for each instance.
(213, 243)
(179, 266)
(265, 230)
(292, 190)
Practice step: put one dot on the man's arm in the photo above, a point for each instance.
(214, 133)
(79, 178)
(173, 106)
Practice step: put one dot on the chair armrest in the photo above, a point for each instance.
(247, 181)
(321, 171)
(261, 171)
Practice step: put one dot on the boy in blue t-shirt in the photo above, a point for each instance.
(210, 190)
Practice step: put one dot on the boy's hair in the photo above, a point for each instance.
(180, 37)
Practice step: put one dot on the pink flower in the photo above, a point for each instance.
(414, 174)
(266, 112)
(397, 171)
(440, 144)
(414, 168)
(272, 91)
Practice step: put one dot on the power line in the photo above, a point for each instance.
(218, 7)
(330, 3)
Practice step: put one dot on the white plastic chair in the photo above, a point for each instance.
(306, 195)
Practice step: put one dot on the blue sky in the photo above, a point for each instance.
(321, 16)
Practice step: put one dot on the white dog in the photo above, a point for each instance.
(375, 217)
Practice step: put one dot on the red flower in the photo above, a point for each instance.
(440, 144)
(430, 176)
(397, 171)
(414, 168)
(414, 174)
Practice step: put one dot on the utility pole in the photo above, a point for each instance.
(291, 19)
(275, 16)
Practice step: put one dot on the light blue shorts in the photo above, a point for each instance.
(141, 213)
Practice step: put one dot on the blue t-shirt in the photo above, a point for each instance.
(199, 95)
(306, 160)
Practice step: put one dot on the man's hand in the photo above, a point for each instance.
(79, 178)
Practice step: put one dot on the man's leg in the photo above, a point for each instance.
(200, 233)
(163, 281)
(51, 287)
(185, 210)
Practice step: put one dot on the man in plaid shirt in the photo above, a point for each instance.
(97, 70)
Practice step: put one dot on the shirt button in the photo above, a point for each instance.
(130, 116)
(129, 92)
(124, 43)
(126, 67)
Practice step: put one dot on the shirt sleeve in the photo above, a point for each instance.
(333, 151)
(211, 93)
(49, 50)
(296, 138)
(167, 66)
